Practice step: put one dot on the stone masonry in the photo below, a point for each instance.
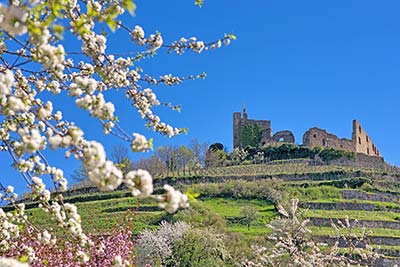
(360, 141)
(241, 119)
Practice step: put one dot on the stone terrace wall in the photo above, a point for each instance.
(338, 206)
(377, 240)
(361, 223)
(386, 262)
(355, 194)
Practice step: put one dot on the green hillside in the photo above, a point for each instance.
(326, 193)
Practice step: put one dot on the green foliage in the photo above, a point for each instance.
(199, 3)
(240, 189)
(216, 146)
(249, 214)
(250, 135)
(199, 215)
(287, 151)
(314, 193)
(215, 158)
(199, 248)
(129, 5)
(330, 154)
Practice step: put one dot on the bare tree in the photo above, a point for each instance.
(167, 154)
(184, 159)
(154, 165)
(199, 150)
(120, 156)
(80, 175)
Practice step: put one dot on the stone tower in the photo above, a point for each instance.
(362, 142)
(241, 119)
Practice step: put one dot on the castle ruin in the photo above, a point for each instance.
(360, 141)
(240, 120)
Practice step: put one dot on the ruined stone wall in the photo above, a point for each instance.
(236, 129)
(263, 124)
(320, 137)
(362, 141)
(241, 119)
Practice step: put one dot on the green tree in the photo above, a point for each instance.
(200, 248)
(249, 214)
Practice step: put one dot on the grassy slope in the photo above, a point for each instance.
(102, 211)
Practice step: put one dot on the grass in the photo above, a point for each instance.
(100, 216)
(253, 231)
(355, 214)
(329, 231)
(231, 208)
(101, 212)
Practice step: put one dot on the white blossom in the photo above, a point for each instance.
(173, 199)
(139, 182)
(155, 41)
(6, 81)
(140, 143)
(13, 19)
(8, 262)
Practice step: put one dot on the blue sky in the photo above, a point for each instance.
(299, 64)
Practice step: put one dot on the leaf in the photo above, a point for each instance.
(150, 143)
(232, 36)
(129, 5)
(199, 3)
(111, 24)
(192, 195)
(23, 258)
(90, 11)
(58, 31)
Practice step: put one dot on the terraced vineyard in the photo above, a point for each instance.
(282, 168)
(326, 193)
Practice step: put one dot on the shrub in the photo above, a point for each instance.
(198, 215)
(199, 248)
(263, 190)
(155, 248)
(330, 154)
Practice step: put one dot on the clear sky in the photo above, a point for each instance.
(297, 63)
